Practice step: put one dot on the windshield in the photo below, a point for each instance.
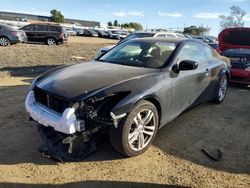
(140, 54)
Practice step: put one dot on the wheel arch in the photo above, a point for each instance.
(156, 103)
(223, 72)
(4, 36)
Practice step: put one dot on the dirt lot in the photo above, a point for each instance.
(175, 159)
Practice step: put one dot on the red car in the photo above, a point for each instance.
(234, 43)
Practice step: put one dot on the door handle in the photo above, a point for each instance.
(207, 73)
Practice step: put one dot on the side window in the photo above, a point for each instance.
(42, 28)
(194, 52)
(208, 52)
(0, 28)
(53, 28)
(29, 28)
(171, 35)
(161, 35)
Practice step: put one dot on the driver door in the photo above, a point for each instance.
(188, 85)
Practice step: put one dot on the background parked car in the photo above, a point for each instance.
(169, 34)
(114, 35)
(50, 34)
(215, 46)
(87, 33)
(10, 35)
(123, 35)
(234, 43)
(101, 33)
(71, 33)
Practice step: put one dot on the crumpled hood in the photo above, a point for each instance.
(233, 38)
(85, 78)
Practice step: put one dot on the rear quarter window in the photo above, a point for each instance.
(161, 35)
(170, 35)
(54, 28)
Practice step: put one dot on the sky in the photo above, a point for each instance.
(150, 13)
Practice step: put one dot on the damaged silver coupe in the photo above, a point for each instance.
(129, 92)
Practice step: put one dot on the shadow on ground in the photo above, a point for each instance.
(90, 184)
(29, 71)
(224, 127)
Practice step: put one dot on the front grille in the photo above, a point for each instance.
(240, 62)
(51, 101)
(239, 65)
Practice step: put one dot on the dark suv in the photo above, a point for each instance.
(50, 34)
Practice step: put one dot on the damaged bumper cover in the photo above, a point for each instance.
(64, 148)
(65, 137)
(65, 123)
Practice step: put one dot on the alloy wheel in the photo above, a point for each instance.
(4, 41)
(142, 130)
(223, 88)
(51, 42)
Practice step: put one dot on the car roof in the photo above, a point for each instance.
(47, 24)
(142, 32)
(8, 27)
(157, 32)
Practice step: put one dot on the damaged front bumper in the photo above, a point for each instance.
(65, 137)
(65, 148)
(65, 123)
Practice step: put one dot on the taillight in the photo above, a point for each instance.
(62, 35)
(15, 33)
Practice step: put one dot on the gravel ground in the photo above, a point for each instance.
(174, 159)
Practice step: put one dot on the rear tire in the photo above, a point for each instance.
(51, 42)
(136, 132)
(222, 90)
(4, 41)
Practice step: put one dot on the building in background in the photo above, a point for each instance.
(12, 16)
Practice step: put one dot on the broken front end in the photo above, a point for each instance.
(71, 129)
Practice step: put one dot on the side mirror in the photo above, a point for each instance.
(188, 65)
(184, 65)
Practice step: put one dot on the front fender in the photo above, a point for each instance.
(147, 93)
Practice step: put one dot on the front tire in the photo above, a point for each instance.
(4, 41)
(222, 90)
(136, 132)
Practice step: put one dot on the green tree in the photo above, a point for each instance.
(116, 23)
(126, 26)
(57, 16)
(110, 23)
(234, 19)
(134, 25)
(194, 30)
